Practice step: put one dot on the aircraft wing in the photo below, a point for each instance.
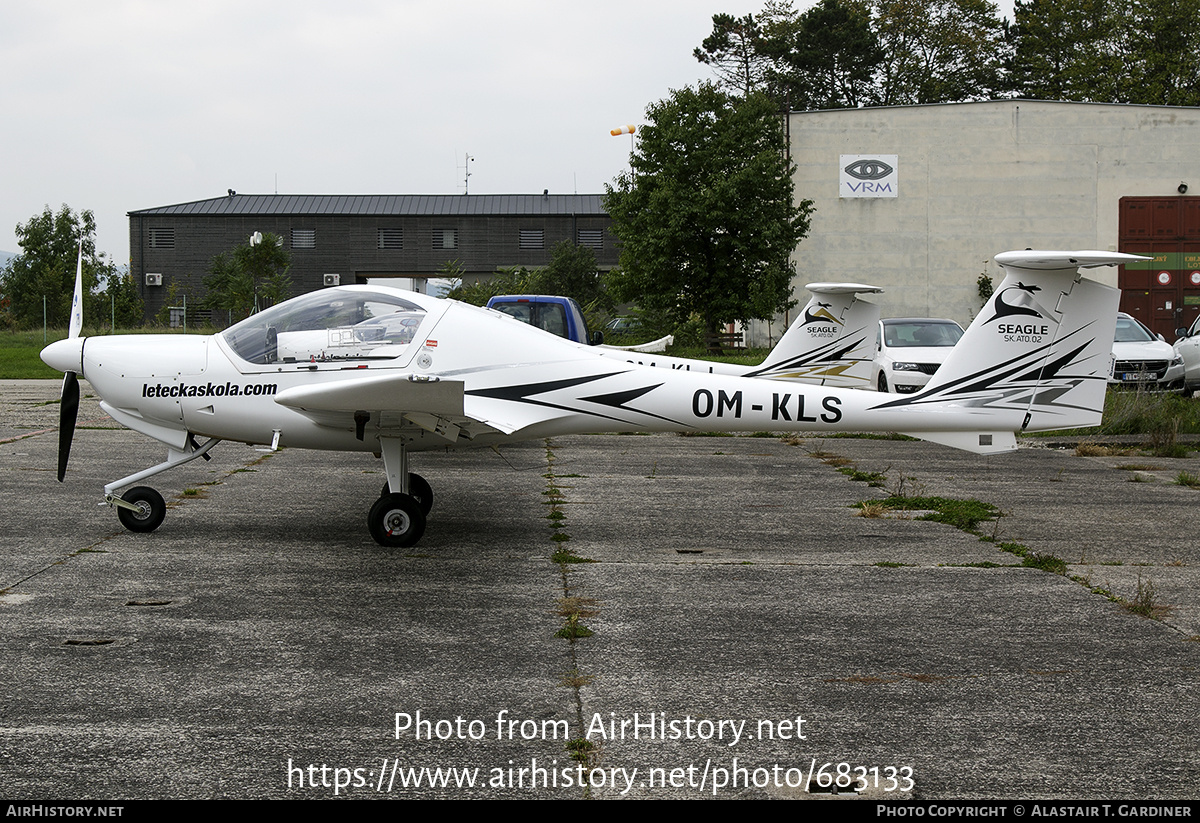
(400, 400)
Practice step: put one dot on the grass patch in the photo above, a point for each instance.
(20, 350)
(873, 479)
(745, 357)
(19, 354)
(891, 564)
(1188, 479)
(1160, 416)
(962, 514)
(1045, 562)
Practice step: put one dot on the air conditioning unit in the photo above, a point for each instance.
(153, 279)
(333, 280)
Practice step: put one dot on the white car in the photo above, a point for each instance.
(910, 351)
(1142, 358)
(1187, 349)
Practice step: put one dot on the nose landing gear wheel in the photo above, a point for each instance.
(396, 521)
(151, 509)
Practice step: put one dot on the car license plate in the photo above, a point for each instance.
(1138, 376)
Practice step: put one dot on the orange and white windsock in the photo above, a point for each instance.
(623, 130)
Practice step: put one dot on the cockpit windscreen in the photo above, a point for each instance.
(328, 325)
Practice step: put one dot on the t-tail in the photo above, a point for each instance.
(1037, 356)
(831, 343)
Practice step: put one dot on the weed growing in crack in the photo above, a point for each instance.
(1145, 601)
(573, 629)
(872, 509)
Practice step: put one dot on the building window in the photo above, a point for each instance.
(391, 238)
(592, 238)
(162, 238)
(533, 238)
(445, 238)
(304, 238)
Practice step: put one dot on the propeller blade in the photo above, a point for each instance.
(77, 299)
(67, 412)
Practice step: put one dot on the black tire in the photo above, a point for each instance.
(418, 488)
(883, 383)
(152, 509)
(396, 521)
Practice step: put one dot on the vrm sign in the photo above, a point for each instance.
(868, 175)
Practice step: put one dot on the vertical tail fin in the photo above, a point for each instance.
(1037, 356)
(831, 343)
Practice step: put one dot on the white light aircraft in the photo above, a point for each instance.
(374, 369)
(831, 343)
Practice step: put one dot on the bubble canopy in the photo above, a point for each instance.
(328, 325)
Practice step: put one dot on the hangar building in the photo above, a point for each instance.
(343, 239)
(919, 199)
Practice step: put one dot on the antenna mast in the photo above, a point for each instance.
(466, 167)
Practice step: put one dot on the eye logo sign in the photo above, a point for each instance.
(868, 175)
(872, 169)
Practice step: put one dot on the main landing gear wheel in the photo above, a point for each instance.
(151, 509)
(396, 521)
(419, 489)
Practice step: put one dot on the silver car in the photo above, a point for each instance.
(1187, 349)
(1142, 358)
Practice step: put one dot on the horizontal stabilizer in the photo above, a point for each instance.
(842, 288)
(1035, 260)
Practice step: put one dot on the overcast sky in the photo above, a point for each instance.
(122, 105)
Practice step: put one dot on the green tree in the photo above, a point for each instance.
(251, 277)
(1107, 51)
(1068, 51)
(572, 272)
(705, 216)
(830, 58)
(46, 269)
(734, 50)
(116, 301)
(512, 280)
(938, 51)
(1163, 64)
